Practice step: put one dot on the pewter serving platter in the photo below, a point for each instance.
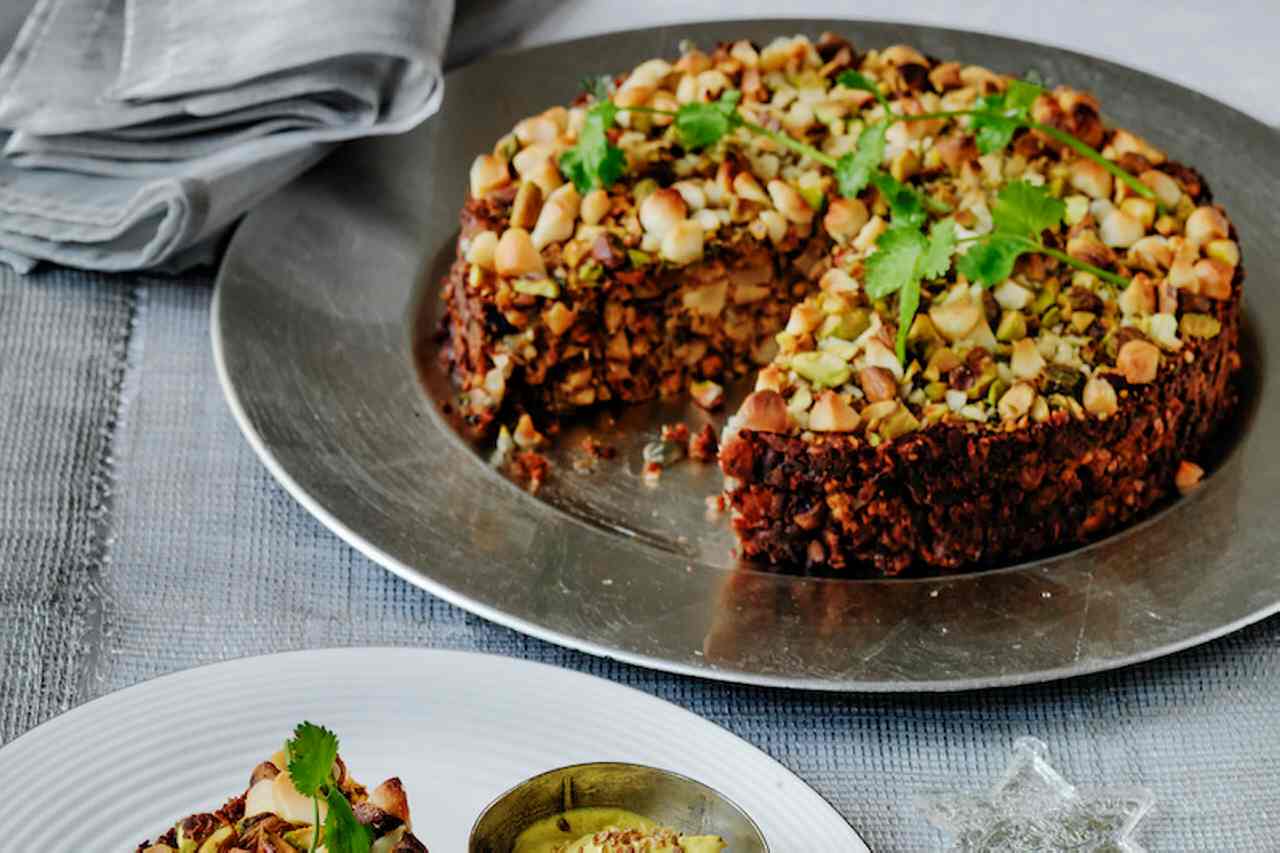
(329, 285)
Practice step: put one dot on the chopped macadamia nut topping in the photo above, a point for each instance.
(761, 260)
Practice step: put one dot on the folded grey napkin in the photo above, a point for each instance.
(139, 130)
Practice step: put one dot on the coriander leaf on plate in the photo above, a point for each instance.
(906, 204)
(992, 131)
(854, 170)
(1026, 210)
(942, 244)
(903, 257)
(1003, 114)
(990, 260)
(895, 261)
(342, 832)
(908, 304)
(700, 125)
(1019, 95)
(311, 753)
(594, 162)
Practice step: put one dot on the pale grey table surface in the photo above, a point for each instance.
(139, 535)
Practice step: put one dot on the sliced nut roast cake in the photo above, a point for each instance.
(984, 324)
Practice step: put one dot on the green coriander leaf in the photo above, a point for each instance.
(853, 80)
(908, 304)
(311, 752)
(906, 204)
(942, 243)
(1019, 95)
(342, 832)
(903, 256)
(700, 125)
(854, 171)
(1003, 114)
(992, 129)
(1026, 210)
(895, 261)
(594, 162)
(990, 260)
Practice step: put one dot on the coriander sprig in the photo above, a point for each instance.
(998, 117)
(595, 161)
(311, 753)
(904, 257)
(1021, 213)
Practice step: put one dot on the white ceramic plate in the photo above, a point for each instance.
(457, 728)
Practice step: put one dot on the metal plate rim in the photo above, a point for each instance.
(417, 578)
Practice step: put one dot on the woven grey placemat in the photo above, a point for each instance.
(62, 363)
(205, 558)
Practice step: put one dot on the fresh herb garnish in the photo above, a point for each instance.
(907, 205)
(700, 125)
(1024, 209)
(999, 116)
(1020, 214)
(312, 752)
(854, 170)
(342, 832)
(903, 257)
(595, 161)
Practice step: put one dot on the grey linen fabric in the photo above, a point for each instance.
(201, 557)
(143, 128)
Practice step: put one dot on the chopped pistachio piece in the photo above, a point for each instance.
(1013, 326)
(813, 197)
(638, 258)
(839, 346)
(847, 325)
(823, 369)
(1046, 298)
(1077, 208)
(899, 423)
(1058, 378)
(801, 400)
(537, 287)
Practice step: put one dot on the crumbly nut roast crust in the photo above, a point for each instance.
(1031, 415)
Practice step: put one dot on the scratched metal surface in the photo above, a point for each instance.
(313, 325)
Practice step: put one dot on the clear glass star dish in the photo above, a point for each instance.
(1033, 808)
